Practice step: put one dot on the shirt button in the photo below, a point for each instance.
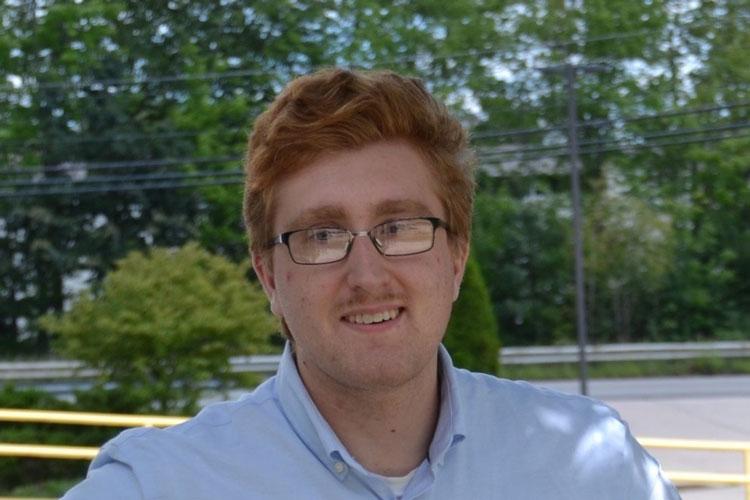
(339, 467)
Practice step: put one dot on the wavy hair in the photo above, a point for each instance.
(335, 110)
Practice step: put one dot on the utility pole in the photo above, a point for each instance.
(570, 72)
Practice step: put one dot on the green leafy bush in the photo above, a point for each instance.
(165, 324)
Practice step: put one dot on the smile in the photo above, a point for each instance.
(369, 319)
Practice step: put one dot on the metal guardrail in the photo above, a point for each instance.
(624, 352)
(119, 420)
(267, 364)
(60, 369)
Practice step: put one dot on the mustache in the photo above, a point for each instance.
(361, 298)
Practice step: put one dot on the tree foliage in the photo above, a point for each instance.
(630, 252)
(177, 84)
(165, 323)
(524, 249)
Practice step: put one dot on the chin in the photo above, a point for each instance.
(388, 372)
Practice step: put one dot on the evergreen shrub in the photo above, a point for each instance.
(472, 337)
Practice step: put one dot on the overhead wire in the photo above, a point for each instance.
(118, 178)
(102, 84)
(74, 166)
(621, 147)
(598, 122)
(509, 151)
(165, 79)
(118, 188)
(485, 154)
(127, 184)
(82, 139)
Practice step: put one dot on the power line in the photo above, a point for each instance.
(232, 181)
(27, 193)
(131, 82)
(623, 147)
(479, 135)
(599, 122)
(57, 181)
(73, 166)
(485, 154)
(490, 154)
(80, 139)
(676, 112)
(102, 84)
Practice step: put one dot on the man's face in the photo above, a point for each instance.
(326, 306)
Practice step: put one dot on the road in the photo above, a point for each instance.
(659, 388)
(685, 407)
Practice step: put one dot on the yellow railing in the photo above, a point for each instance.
(706, 478)
(119, 420)
(73, 418)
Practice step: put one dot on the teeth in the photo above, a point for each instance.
(368, 319)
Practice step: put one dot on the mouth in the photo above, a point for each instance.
(375, 318)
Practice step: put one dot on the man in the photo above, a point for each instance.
(358, 203)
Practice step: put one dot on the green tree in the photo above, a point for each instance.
(472, 337)
(629, 254)
(524, 247)
(96, 81)
(165, 323)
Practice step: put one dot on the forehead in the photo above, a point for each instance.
(357, 187)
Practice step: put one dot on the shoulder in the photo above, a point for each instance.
(212, 426)
(573, 441)
(115, 479)
(160, 459)
(525, 400)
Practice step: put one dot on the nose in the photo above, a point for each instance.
(365, 266)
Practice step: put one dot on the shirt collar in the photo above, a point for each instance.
(318, 436)
(303, 415)
(450, 427)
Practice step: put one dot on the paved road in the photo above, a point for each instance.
(660, 388)
(685, 407)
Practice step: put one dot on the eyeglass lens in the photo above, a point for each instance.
(399, 237)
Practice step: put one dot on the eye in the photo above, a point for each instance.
(400, 226)
(323, 235)
(394, 227)
(320, 234)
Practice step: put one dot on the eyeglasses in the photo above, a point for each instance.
(324, 245)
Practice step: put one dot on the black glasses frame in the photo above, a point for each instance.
(283, 239)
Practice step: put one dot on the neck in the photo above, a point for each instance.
(388, 431)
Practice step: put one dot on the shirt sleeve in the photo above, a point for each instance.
(664, 490)
(113, 481)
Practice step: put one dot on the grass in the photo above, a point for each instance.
(630, 369)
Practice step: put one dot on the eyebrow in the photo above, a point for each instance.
(337, 214)
(400, 206)
(325, 213)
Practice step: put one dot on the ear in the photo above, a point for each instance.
(264, 271)
(460, 253)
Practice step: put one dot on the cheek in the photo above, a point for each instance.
(301, 293)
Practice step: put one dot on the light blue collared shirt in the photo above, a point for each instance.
(494, 439)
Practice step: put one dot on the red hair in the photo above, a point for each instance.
(334, 110)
